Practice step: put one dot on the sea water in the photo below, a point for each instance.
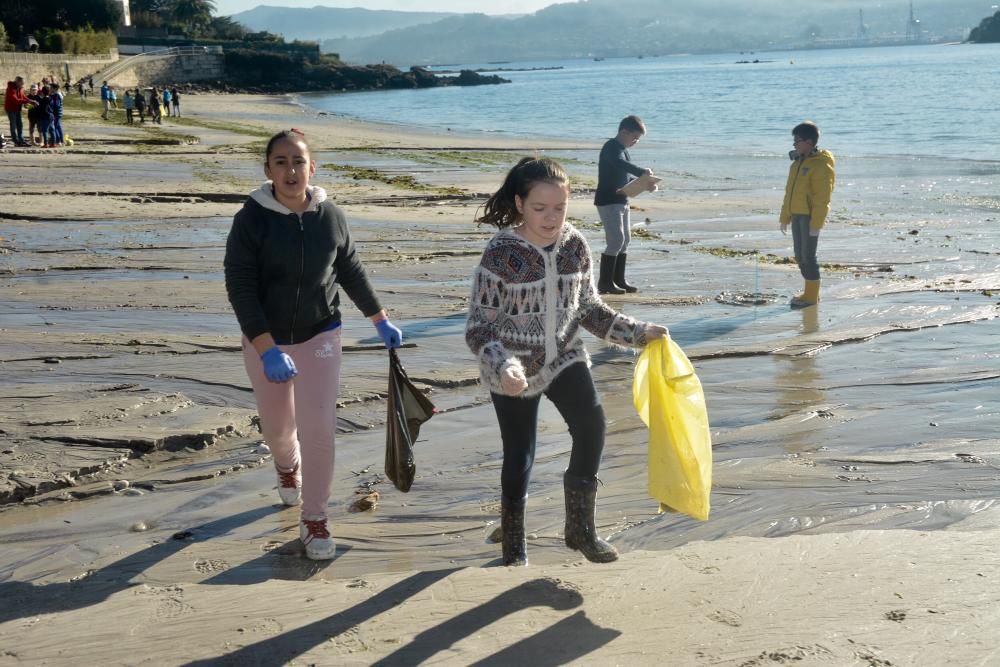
(919, 101)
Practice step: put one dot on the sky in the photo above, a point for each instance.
(225, 7)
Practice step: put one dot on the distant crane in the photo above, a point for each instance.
(912, 26)
(862, 28)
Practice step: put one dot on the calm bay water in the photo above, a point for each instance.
(926, 101)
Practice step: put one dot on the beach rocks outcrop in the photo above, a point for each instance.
(253, 72)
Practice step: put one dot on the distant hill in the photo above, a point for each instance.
(320, 23)
(610, 28)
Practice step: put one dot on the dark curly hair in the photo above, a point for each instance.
(501, 209)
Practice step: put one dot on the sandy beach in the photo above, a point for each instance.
(857, 466)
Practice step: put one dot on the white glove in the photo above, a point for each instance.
(512, 381)
(813, 232)
(784, 228)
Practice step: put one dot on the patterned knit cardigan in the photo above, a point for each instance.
(528, 305)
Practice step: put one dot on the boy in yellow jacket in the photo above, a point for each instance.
(811, 180)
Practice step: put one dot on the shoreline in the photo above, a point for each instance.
(825, 547)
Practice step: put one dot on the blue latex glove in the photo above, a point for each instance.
(278, 366)
(390, 333)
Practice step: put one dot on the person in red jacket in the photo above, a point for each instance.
(12, 103)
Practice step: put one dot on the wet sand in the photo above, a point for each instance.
(856, 458)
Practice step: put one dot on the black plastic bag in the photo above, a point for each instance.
(408, 409)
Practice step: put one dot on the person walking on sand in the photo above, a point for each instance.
(105, 100)
(155, 113)
(288, 249)
(175, 97)
(614, 171)
(166, 101)
(531, 293)
(810, 184)
(129, 103)
(140, 105)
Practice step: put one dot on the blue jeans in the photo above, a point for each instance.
(57, 131)
(805, 247)
(16, 127)
(45, 124)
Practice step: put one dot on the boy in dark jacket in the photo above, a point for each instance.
(56, 131)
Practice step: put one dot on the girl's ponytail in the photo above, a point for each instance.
(501, 209)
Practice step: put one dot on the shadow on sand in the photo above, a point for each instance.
(563, 642)
(21, 599)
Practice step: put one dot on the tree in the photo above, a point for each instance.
(30, 16)
(150, 6)
(223, 27)
(4, 44)
(988, 30)
(195, 15)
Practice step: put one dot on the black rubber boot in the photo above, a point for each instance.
(620, 275)
(581, 504)
(515, 549)
(606, 283)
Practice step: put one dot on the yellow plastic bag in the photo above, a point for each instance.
(668, 396)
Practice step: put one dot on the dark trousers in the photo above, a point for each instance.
(16, 126)
(805, 247)
(45, 127)
(575, 396)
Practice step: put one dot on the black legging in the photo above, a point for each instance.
(574, 395)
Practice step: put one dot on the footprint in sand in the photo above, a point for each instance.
(207, 565)
(693, 562)
(726, 617)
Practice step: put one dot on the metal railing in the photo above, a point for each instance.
(125, 64)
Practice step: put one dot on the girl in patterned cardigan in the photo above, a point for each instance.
(531, 293)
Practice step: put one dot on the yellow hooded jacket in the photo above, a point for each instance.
(811, 180)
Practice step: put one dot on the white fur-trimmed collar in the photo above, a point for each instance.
(264, 195)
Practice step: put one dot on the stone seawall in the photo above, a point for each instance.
(62, 67)
(173, 70)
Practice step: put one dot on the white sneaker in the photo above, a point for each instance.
(316, 539)
(290, 486)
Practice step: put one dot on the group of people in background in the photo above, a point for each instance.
(153, 102)
(43, 103)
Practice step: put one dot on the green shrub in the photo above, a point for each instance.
(75, 42)
(5, 45)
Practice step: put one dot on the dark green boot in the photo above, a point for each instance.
(581, 504)
(515, 549)
(619, 278)
(606, 279)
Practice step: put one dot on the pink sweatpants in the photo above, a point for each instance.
(298, 418)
